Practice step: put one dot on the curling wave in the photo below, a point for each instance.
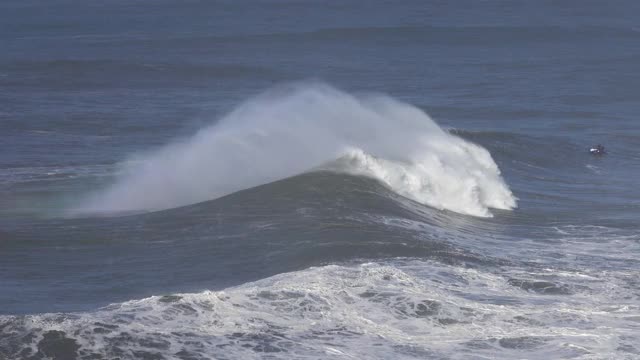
(298, 127)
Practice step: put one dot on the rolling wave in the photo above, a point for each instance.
(295, 128)
(77, 73)
(313, 219)
(457, 35)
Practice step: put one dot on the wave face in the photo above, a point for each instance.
(299, 127)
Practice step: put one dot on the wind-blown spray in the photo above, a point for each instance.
(293, 129)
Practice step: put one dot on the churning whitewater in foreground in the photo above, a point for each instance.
(401, 310)
(300, 127)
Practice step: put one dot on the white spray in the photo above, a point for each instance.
(292, 129)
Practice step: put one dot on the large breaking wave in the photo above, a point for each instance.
(299, 127)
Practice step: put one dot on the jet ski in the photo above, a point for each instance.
(597, 150)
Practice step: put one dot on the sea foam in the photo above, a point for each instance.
(295, 128)
(409, 309)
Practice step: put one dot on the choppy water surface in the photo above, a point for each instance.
(283, 179)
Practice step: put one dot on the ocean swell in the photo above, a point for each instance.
(299, 127)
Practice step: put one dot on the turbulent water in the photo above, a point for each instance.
(292, 180)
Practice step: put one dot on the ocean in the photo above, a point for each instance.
(287, 179)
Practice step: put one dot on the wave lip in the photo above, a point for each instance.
(428, 179)
(296, 128)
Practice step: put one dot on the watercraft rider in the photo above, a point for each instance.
(597, 150)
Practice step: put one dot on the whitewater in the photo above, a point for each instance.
(196, 180)
(303, 126)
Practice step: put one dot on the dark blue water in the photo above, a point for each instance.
(260, 179)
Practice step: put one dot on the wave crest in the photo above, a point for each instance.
(470, 187)
(295, 128)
